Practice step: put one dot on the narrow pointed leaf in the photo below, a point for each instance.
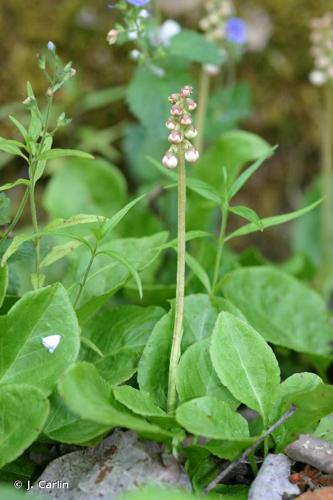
(61, 153)
(244, 176)
(11, 185)
(272, 221)
(116, 218)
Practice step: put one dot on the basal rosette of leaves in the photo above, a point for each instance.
(87, 297)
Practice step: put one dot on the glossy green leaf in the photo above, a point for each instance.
(313, 400)
(282, 309)
(325, 429)
(88, 395)
(137, 401)
(189, 236)
(23, 131)
(60, 251)
(3, 283)
(75, 220)
(26, 355)
(199, 271)
(196, 376)
(53, 227)
(248, 214)
(120, 334)
(60, 153)
(307, 231)
(41, 164)
(12, 147)
(206, 52)
(4, 209)
(271, 221)
(199, 319)
(131, 269)
(244, 363)
(66, 427)
(147, 97)
(212, 418)
(85, 186)
(107, 274)
(233, 151)
(23, 411)
(193, 184)
(153, 369)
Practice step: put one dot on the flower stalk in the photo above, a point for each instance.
(181, 131)
(327, 162)
(180, 288)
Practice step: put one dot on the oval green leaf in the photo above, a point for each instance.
(244, 363)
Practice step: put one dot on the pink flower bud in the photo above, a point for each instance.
(170, 160)
(191, 155)
(112, 37)
(170, 124)
(175, 137)
(186, 91)
(176, 110)
(173, 98)
(191, 133)
(186, 120)
(192, 105)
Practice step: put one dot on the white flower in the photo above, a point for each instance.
(317, 78)
(191, 133)
(167, 31)
(175, 137)
(112, 37)
(144, 14)
(170, 160)
(132, 35)
(211, 69)
(51, 342)
(192, 155)
(135, 54)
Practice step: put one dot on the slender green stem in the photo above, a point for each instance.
(33, 167)
(180, 290)
(220, 245)
(35, 226)
(85, 277)
(327, 159)
(202, 109)
(18, 215)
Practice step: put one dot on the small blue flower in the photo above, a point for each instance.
(138, 3)
(235, 31)
(51, 47)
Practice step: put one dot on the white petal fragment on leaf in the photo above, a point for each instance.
(51, 342)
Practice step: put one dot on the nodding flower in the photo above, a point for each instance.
(322, 49)
(51, 46)
(181, 129)
(112, 37)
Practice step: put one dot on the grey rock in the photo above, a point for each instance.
(272, 480)
(120, 463)
(312, 451)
